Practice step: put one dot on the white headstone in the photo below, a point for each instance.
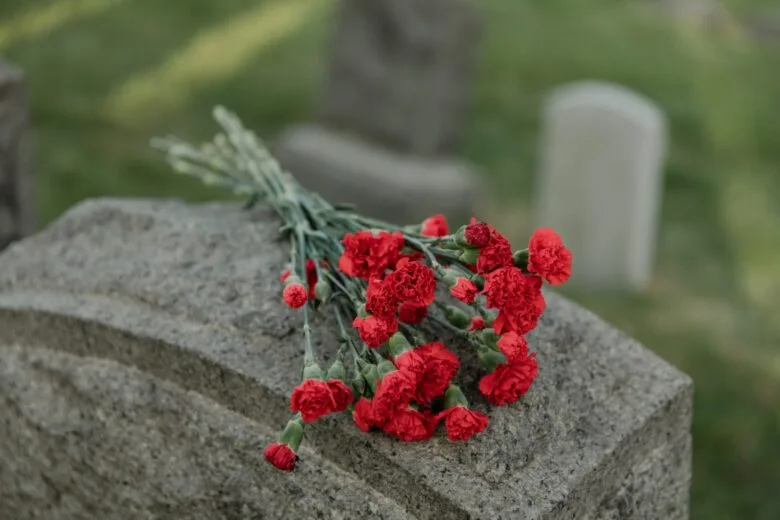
(600, 181)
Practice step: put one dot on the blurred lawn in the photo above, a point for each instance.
(106, 75)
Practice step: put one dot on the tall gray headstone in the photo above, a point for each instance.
(600, 181)
(146, 359)
(17, 210)
(390, 118)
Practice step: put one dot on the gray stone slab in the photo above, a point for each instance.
(401, 72)
(395, 187)
(83, 437)
(188, 295)
(17, 208)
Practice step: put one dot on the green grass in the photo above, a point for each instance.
(712, 306)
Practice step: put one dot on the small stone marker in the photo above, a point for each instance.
(600, 181)
(392, 112)
(146, 359)
(17, 211)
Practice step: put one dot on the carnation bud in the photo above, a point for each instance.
(490, 338)
(385, 367)
(449, 244)
(370, 375)
(460, 237)
(311, 370)
(450, 277)
(358, 385)
(521, 259)
(361, 311)
(454, 397)
(469, 256)
(457, 317)
(337, 371)
(490, 359)
(322, 291)
(398, 344)
(293, 278)
(292, 435)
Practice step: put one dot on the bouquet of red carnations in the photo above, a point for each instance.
(381, 283)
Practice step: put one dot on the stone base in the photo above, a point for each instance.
(146, 360)
(399, 188)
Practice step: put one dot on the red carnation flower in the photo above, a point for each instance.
(295, 295)
(462, 423)
(410, 425)
(394, 392)
(380, 298)
(342, 394)
(375, 331)
(412, 362)
(281, 456)
(477, 323)
(513, 346)
(435, 226)
(433, 366)
(413, 283)
(518, 298)
(548, 257)
(477, 234)
(496, 254)
(508, 382)
(315, 398)
(363, 414)
(367, 254)
(412, 314)
(464, 290)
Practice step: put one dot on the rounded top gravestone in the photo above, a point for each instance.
(600, 180)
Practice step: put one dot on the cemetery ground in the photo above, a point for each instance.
(107, 75)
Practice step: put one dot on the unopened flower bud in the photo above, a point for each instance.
(469, 256)
(292, 435)
(370, 375)
(456, 317)
(337, 371)
(448, 243)
(291, 279)
(490, 338)
(398, 344)
(521, 259)
(450, 277)
(460, 237)
(322, 291)
(358, 385)
(454, 397)
(361, 311)
(385, 367)
(311, 370)
(490, 359)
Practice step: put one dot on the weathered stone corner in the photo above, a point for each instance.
(145, 360)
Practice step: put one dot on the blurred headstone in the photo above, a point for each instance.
(17, 213)
(392, 111)
(600, 181)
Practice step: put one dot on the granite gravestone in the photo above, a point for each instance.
(600, 182)
(146, 359)
(392, 111)
(17, 211)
